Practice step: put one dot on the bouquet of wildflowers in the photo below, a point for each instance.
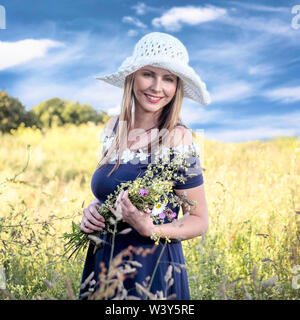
(150, 193)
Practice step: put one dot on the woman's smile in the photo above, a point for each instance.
(152, 99)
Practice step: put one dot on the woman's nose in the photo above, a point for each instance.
(156, 85)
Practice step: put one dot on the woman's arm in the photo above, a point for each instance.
(192, 224)
(189, 226)
(195, 222)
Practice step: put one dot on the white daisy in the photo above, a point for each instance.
(158, 208)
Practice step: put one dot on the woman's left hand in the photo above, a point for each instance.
(125, 210)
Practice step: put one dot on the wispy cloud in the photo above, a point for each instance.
(236, 55)
(140, 8)
(261, 8)
(284, 95)
(134, 21)
(242, 135)
(69, 72)
(232, 92)
(255, 127)
(269, 25)
(262, 69)
(193, 113)
(23, 51)
(132, 33)
(98, 94)
(237, 69)
(176, 17)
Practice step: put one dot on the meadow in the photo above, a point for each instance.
(251, 250)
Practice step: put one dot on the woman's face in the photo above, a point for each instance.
(153, 88)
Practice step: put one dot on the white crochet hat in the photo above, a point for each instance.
(164, 51)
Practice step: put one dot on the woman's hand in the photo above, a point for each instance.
(125, 210)
(91, 219)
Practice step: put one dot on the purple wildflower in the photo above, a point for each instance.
(143, 192)
(162, 215)
(173, 214)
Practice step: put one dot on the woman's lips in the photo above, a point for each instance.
(155, 100)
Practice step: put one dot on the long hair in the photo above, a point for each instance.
(168, 118)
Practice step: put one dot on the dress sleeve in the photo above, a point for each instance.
(193, 174)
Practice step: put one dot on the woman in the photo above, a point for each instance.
(155, 79)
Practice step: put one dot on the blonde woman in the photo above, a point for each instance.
(155, 79)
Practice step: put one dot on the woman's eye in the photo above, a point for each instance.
(170, 79)
(147, 74)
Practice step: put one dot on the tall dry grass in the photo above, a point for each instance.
(253, 194)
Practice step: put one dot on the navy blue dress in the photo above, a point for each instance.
(102, 186)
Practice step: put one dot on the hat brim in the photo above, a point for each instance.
(193, 87)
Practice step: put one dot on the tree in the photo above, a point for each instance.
(49, 112)
(60, 111)
(13, 113)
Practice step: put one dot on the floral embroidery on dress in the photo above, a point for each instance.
(142, 155)
(107, 141)
(129, 155)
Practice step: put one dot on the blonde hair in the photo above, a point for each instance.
(168, 118)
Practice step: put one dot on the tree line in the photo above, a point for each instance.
(54, 111)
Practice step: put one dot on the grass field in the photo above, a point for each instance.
(251, 250)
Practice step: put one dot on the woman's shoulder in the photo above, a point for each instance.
(182, 135)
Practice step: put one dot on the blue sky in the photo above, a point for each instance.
(247, 53)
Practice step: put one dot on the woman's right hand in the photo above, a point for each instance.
(91, 219)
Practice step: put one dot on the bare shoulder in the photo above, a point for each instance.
(181, 135)
(108, 129)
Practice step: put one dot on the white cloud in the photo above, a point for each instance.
(256, 127)
(285, 95)
(114, 111)
(267, 25)
(140, 8)
(232, 92)
(48, 76)
(134, 21)
(257, 7)
(261, 69)
(98, 94)
(20, 52)
(192, 113)
(228, 58)
(132, 33)
(173, 19)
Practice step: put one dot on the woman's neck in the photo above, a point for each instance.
(145, 120)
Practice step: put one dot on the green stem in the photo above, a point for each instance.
(111, 252)
(156, 266)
